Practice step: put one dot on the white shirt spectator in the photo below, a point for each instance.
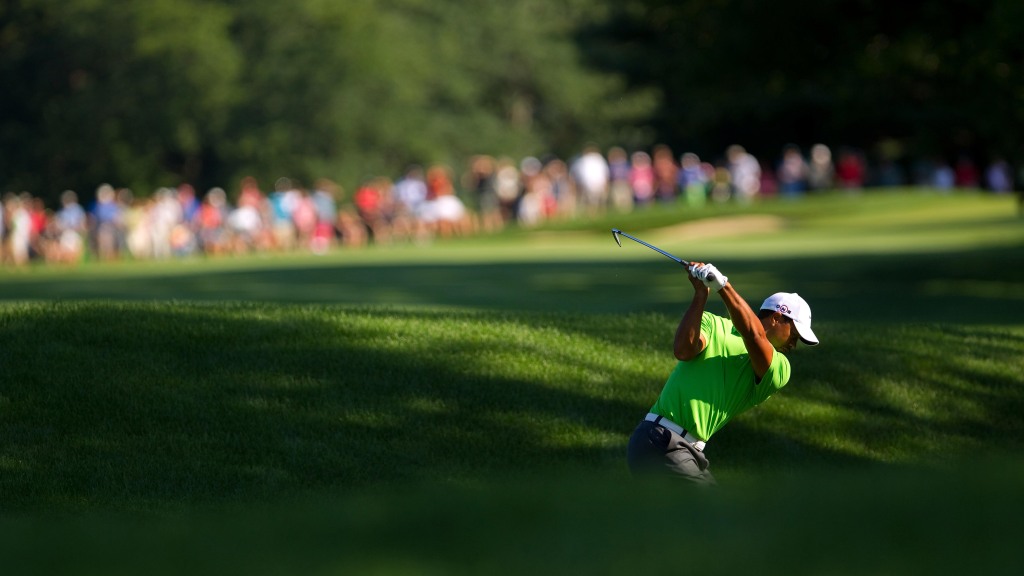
(591, 173)
(411, 192)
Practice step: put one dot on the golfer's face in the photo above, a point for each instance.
(782, 334)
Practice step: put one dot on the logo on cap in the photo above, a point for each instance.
(783, 308)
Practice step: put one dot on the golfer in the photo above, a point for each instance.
(726, 367)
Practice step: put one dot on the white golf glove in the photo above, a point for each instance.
(710, 276)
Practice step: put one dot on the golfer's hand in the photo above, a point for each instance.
(698, 284)
(708, 275)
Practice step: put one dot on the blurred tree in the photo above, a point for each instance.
(130, 92)
(366, 87)
(147, 94)
(935, 75)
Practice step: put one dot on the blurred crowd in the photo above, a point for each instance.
(425, 203)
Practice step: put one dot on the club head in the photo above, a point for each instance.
(615, 234)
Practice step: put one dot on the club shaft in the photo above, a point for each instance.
(652, 247)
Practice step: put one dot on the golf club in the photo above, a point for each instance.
(616, 233)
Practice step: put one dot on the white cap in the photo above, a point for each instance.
(792, 306)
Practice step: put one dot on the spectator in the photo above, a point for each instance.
(744, 173)
(165, 215)
(250, 193)
(922, 172)
(537, 197)
(890, 174)
(19, 229)
(350, 228)
(40, 219)
(561, 187)
(186, 196)
(998, 176)
(591, 173)
(107, 214)
(529, 170)
(641, 178)
(850, 170)
(325, 200)
(71, 215)
(444, 213)
(769, 183)
(210, 222)
(305, 219)
(943, 176)
(247, 229)
(533, 206)
(411, 189)
(538, 202)
(71, 228)
(794, 172)
(821, 172)
(508, 186)
(138, 233)
(621, 193)
(666, 174)
(722, 188)
(965, 172)
(373, 205)
(185, 236)
(692, 180)
(283, 201)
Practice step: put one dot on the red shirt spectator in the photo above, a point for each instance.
(966, 173)
(850, 170)
(38, 217)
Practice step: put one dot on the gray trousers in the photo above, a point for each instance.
(654, 449)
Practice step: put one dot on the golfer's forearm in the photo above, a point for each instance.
(743, 318)
(750, 328)
(687, 343)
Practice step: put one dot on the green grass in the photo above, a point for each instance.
(464, 407)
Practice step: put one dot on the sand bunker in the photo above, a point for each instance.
(719, 227)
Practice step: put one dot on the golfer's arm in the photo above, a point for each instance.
(688, 342)
(749, 326)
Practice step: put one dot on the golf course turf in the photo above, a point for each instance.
(463, 407)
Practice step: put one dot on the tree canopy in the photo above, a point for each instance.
(148, 94)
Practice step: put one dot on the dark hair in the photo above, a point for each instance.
(767, 312)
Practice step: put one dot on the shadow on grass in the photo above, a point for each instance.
(913, 394)
(136, 407)
(141, 406)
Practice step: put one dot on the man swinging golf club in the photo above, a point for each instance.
(726, 367)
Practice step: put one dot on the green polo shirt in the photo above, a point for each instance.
(704, 393)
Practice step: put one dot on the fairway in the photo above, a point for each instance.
(383, 404)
